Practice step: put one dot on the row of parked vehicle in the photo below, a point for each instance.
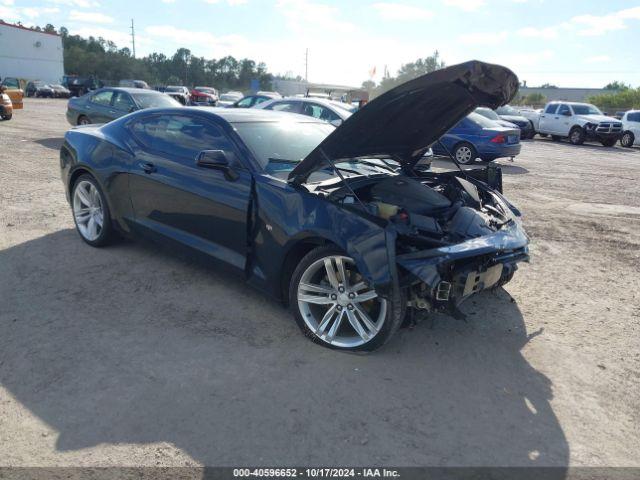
(46, 90)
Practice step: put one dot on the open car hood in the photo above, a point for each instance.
(407, 119)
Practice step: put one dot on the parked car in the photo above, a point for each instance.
(6, 107)
(618, 115)
(179, 93)
(253, 100)
(39, 89)
(107, 104)
(78, 86)
(630, 128)
(579, 122)
(510, 114)
(327, 110)
(229, 98)
(204, 96)
(60, 92)
(134, 84)
(12, 87)
(533, 115)
(492, 115)
(476, 137)
(259, 191)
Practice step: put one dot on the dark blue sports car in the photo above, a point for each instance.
(340, 223)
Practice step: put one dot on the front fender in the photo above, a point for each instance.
(287, 215)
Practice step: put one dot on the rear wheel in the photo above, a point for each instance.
(335, 306)
(627, 139)
(83, 120)
(91, 212)
(465, 153)
(576, 136)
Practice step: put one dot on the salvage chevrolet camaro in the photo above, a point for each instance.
(343, 224)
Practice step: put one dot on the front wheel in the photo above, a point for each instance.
(465, 153)
(627, 139)
(335, 306)
(609, 142)
(7, 116)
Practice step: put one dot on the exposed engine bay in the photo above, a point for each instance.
(435, 213)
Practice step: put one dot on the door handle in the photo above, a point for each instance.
(148, 167)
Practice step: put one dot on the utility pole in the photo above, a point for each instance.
(306, 65)
(133, 39)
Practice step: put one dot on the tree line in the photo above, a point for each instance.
(103, 60)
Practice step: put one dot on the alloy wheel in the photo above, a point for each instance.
(87, 210)
(626, 140)
(575, 136)
(337, 305)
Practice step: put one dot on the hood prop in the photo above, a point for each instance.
(337, 170)
(464, 172)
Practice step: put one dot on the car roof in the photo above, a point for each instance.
(244, 115)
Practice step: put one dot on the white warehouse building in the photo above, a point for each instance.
(30, 55)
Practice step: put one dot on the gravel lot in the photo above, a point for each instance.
(132, 356)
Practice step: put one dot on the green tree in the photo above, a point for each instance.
(617, 85)
(409, 71)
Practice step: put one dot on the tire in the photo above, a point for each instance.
(576, 136)
(91, 213)
(627, 139)
(7, 117)
(556, 138)
(465, 153)
(330, 314)
(609, 142)
(532, 132)
(84, 120)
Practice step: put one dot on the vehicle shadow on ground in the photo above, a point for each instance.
(128, 344)
(595, 146)
(53, 143)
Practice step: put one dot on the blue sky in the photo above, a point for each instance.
(565, 42)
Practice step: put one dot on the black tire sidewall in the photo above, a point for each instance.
(631, 135)
(80, 120)
(474, 153)
(580, 140)
(106, 234)
(395, 307)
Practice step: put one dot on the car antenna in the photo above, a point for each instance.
(452, 157)
(337, 170)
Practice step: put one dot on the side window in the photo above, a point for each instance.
(259, 100)
(122, 101)
(291, 107)
(551, 108)
(245, 102)
(320, 112)
(102, 98)
(180, 137)
(564, 109)
(633, 117)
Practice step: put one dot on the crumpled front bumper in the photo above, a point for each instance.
(452, 273)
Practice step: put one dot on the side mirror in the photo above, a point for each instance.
(216, 160)
(336, 123)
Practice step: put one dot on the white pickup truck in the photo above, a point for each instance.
(579, 122)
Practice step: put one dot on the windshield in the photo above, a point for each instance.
(281, 145)
(174, 89)
(229, 97)
(507, 110)
(484, 122)
(585, 110)
(155, 100)
(205, 90)
(487, 112)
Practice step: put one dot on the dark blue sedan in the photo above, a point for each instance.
(340, 223)
(475, 136)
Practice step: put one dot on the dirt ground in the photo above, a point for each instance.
(132, 356)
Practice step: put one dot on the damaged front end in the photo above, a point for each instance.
(455, 235)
